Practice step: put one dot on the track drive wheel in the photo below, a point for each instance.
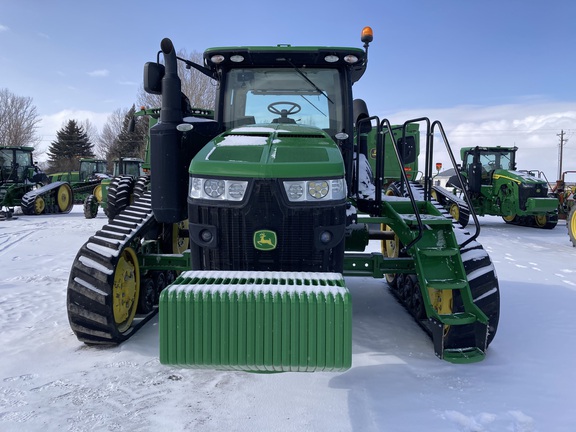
(546, 221)
(571, 225)
(126, 289)
(461, 217)
(65, 198)
(97, 192)
(510, 219)
(540, 220)
(390, 249)
(90, 207)
(39, 205)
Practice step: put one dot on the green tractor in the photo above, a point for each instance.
(64, 189)
(488, 176)
(114, 194)
(253, 219)
(18, 176)
(84, 181)
(130, 177)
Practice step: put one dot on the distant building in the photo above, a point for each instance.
(442, 178)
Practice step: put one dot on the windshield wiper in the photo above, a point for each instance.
(314, 106)
(310, 82)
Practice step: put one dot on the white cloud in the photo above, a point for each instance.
(99, 73)
(533, 127)
(3, 28)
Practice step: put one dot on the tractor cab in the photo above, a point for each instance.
(279, 95)
(16, 164)
(92, 168)
(480, 163)
(128, 166)
(289, 87)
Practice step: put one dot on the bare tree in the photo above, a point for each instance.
(110, 132)
(93, 135)
(18, 120)
(199, 88)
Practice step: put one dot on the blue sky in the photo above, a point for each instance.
(495, 72)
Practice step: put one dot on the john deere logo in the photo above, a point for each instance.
(265, 240)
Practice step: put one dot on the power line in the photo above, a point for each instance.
(562, 141)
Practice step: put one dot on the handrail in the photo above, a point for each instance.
(437, 123)
(404, 179)
(384, 127)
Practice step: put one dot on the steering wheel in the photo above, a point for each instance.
(294, 108)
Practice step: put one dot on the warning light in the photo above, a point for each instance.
(438, 166)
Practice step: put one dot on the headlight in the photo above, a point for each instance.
(315, 190)
(217, 189)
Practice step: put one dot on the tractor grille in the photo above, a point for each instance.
(531, 191)
(296, 228)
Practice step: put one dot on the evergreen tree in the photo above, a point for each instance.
(72, 143)
(129, 143)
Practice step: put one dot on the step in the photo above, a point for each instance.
(464, 355)
(471, 348)
(427, 219)
(446, 284)
(438, 252)
(459, 318)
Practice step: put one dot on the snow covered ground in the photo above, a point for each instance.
(51, 382)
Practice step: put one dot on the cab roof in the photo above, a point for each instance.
(286, 56)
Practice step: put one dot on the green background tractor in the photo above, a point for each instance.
(495, 187)
(18, 175)
(115, 193)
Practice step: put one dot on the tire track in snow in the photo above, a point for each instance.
(130, 396)
(9, 240)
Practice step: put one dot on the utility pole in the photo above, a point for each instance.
(562, 141)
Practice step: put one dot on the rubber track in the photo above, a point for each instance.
(453, 199)
(481, 276)
(89, 298)
(530, 221)
(49, 194)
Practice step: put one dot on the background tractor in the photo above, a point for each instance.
(130, 178)
(115, 193)
(18, 175)
(239, 240)
(488, 176)
(64, 189)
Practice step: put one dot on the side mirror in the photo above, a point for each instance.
(360, 111)
(153, 74)
(407, 150)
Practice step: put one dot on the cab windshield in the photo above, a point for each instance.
(494, 160)
(310, 97)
